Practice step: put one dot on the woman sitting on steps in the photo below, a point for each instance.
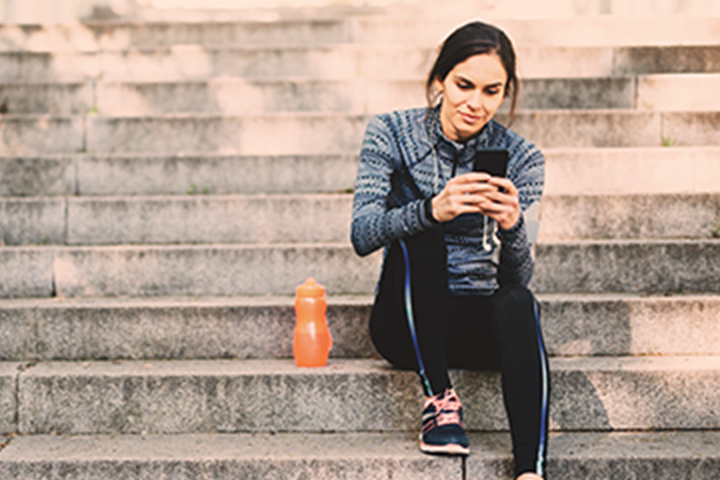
(458, 260)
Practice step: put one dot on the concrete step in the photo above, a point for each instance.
(355, 456)
(632, 266)
(273, 29)
(183, 270)
(306, 133)
(8, 396)
(576, 31)
(69, 98)
(296, 218)
(199, 396)
(33, 134)
(566, 217)
(615, 171)
(43, 175)
(261, 327)
(172, 219)
(341, 62)
(574, 171)
(638, 266)
(237, 96)
(117, 35)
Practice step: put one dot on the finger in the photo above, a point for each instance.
(473, 177)
(503, 183)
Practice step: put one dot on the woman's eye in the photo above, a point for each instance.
(492, 91)
(464, 86)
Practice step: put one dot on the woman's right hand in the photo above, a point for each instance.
(462, 194)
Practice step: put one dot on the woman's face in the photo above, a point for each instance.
(472, 92)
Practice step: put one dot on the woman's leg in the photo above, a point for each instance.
(525, 375)
(409, 325)
(502, 332)
(411, 297)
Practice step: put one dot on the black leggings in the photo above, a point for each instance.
(478, 332)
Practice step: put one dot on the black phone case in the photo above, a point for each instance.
(493, 162)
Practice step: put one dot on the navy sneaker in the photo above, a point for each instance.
(442, 426)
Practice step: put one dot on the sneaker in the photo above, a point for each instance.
(442, 426)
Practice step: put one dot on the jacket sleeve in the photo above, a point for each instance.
(516, 257)
(374, 225)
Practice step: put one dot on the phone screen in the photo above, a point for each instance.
(493, 162)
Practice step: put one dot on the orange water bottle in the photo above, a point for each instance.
(312, 342)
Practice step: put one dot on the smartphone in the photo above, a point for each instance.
(493, 162)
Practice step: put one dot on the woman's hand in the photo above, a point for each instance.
(503, 203)
(478, 193)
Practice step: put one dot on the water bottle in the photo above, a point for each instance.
(312, 341)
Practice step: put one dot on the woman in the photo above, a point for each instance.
(453, 289)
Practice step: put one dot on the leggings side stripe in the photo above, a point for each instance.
(411, 320)
(542, 444)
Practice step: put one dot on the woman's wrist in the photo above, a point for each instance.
(429, 216)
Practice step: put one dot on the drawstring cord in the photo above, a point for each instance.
(436, 183)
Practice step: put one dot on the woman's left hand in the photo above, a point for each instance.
(502, 204)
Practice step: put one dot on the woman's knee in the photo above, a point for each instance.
(516, 310)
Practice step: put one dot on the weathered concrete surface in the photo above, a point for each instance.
(37, 176)
(232, 96)
(33, 134)
(211, 270)
(26, 272)
(48, 67)
(117, 35)
(245, 328)
(607, 171)
(200, 218)
(254, 456)
(627, 393)
(661, 455)
(219, 174)
(604, 171)
(243, 29)
(306, 133)
(668, 59)
(589, 128)
(47, 98)
(626, 325)
(250, 135)
(188, 62)
(631, 266)
(8, 396)
(577, 93)
(679, 92)
(341, 61)
(35, 220)
(237, 96)
(695, 128)
(629, 216)
(647, 266)
(209, 219)
(592, 393)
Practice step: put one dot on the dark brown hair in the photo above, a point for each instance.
(474, 38)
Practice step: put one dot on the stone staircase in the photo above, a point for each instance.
(165, 186)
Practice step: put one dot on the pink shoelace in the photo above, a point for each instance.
(447, 407)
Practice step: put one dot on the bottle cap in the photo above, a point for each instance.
(310, 289)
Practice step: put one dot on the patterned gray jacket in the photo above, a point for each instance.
(398, 171)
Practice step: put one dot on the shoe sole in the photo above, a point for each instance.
(449, 449)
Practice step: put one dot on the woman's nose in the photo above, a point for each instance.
(475, 100)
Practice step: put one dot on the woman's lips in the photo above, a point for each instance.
(470, 119)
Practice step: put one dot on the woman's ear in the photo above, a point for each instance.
(438, 85)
